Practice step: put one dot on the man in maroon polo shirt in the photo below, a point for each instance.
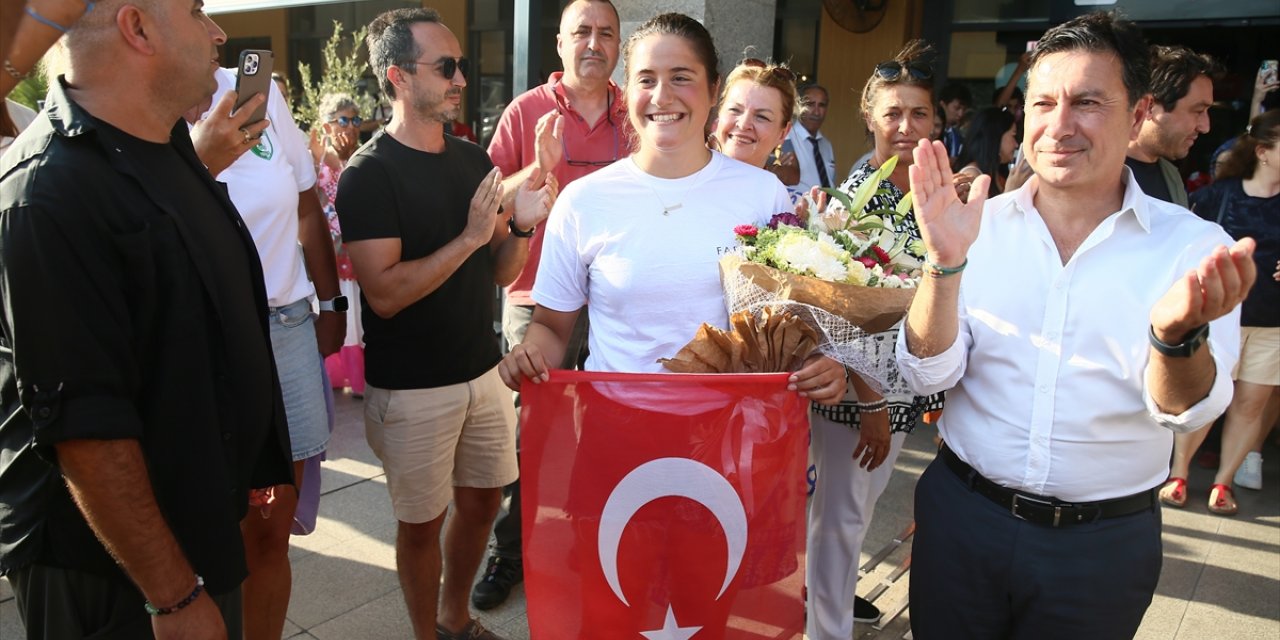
(568, 128)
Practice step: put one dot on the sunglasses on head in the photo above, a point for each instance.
(775, 69)
(892, 70)
(343, 121)
(448, 66)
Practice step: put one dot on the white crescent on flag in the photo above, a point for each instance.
(675, 477)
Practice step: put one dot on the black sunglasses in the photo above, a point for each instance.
(891, 70)
(448, 66)
(343, 121)
(608, 114)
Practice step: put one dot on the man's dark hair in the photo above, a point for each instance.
(1103, 32)
(390, 42)
(1173, 69)
(956, 91)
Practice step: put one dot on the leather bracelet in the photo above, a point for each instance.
(182, 604)
(939, 271)
(517, 231)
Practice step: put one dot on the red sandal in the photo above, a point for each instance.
(1222, 500)
(1174, 493)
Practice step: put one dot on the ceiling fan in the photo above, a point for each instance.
(858, 16)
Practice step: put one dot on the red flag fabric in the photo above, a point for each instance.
(663, 506)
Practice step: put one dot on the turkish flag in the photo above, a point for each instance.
(663, 506)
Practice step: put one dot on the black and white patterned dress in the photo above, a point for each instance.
(904, 410)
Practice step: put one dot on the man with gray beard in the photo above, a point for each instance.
(421, 218)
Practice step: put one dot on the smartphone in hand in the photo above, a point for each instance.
(253, 76)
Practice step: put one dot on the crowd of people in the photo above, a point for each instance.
(183, 286)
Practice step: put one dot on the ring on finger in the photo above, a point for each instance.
(247, 137)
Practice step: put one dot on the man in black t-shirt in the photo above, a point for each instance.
(140, 402)
(1177, 113)
(421, 219)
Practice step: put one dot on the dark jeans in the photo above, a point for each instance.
(979, 572)
(515, 321)
(56, 604)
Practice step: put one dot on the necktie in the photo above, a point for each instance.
(817, 159)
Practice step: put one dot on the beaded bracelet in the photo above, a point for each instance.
(939, 271)
(182, 604)
(872, 407)
(12, 71)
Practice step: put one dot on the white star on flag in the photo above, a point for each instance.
(670, 630)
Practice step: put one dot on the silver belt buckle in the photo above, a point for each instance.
(1017, 497)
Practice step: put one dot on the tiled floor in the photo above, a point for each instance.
(1221, 576)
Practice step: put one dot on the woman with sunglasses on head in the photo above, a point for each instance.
(989, 145)
(339, 135)
(756, 112)
(897, 108)
(638, 242)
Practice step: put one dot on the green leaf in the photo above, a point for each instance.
(904, 205)
(840, 196)
(870, 226)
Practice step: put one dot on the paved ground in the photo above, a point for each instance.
(1221, 576)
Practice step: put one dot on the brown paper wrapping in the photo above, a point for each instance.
(872, 309)
(775, 341)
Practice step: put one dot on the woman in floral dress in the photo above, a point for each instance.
(339, 135)
(897, 107)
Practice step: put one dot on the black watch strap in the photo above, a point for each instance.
(517, 231)
(1189, 345)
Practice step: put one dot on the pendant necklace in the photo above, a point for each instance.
(668, 208)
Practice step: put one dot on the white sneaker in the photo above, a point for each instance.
(1249, 475)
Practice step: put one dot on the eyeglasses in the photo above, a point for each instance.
(344, 121)
(608, 114)
(448, 66)
(775, 69)
(891, 70)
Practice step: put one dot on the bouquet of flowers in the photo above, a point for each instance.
(847, 272)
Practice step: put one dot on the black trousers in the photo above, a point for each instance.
(979, 572)
(59, 604)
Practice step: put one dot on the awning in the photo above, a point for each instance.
(214, 7)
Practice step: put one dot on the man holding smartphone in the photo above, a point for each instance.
(272, 183)
(141, 402)
(421, 216)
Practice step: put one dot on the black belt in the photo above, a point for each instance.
(1043, 509)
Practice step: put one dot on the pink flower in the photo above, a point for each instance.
(748, 230)
(867, 262)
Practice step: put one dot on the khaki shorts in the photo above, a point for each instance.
(431, 440)
(1259, 356)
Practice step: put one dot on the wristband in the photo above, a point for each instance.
(939, 271)
(182, 604)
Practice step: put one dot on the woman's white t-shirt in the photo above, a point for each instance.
(648, 279)
(264, 184)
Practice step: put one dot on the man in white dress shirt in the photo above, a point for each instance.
(810, 145)
(1092, 323)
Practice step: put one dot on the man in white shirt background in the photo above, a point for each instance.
(1077, 324)
(813, 150)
